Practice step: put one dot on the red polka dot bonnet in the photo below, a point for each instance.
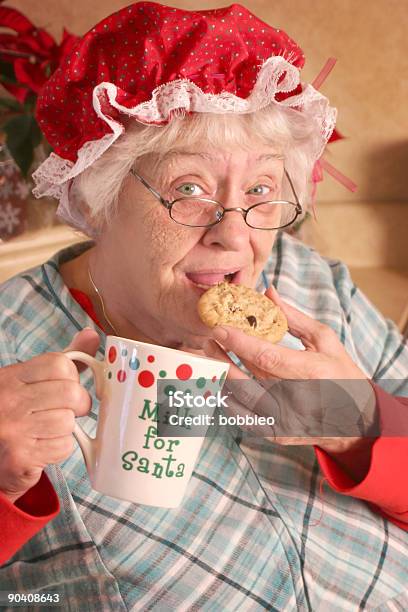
(149, 62)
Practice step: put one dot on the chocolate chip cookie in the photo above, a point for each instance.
(243, 308)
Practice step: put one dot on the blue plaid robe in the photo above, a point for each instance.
(254, 531)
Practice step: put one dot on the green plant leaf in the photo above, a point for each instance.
(7, 73)
(11, 104)
(30, 102)
(22, 136)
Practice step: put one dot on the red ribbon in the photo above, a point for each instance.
(322, 164)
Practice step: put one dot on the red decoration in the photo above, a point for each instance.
(112, 354)
(121, 376)
(33, 53)
(145, 378)
(184, 372)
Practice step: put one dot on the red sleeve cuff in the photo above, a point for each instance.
(22, 520)
(386, 483)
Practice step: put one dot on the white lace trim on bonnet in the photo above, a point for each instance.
(55, 175)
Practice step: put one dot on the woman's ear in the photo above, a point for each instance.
(79, 213)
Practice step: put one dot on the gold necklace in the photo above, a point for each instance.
(98, 293)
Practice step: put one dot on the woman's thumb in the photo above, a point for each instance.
(87, 340)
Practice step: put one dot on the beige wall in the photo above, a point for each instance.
(369, 84)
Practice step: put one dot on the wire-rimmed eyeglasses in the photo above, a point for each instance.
(203, 212)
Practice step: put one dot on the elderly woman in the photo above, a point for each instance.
(156, 111)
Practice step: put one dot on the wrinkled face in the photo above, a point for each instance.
(165, 267)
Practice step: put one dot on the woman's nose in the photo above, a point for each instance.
(232, 233)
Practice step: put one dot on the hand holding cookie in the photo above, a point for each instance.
(324, 358)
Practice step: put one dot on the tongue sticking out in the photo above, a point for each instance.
(208, 278)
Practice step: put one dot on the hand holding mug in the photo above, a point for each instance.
(39, 400)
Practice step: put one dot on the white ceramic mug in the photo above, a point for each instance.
(127, 459)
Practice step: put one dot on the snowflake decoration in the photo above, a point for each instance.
(8, 168)
(21, 190)
(9, 218)
(6, 189)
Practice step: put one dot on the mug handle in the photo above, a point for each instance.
(86, 443)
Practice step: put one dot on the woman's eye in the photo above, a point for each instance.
(260, 190)
(190, 189)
